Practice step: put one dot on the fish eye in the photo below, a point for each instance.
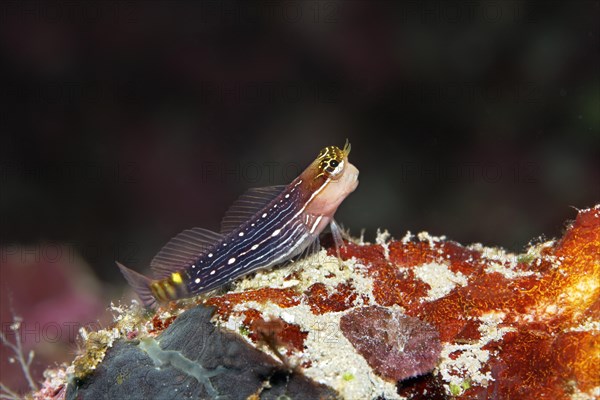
(331, 167)
(331, 162)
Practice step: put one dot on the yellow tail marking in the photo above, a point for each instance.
(158, 291)
(176, 277)
(171, 290)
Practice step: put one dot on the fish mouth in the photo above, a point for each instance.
(351, 178)
(355, 181)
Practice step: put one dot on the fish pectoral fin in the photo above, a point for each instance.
(139, 283)
(183, 250)
(248, 204)
(338, 234)
(338, 239)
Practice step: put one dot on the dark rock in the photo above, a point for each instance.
(192, 359)
(395, 345)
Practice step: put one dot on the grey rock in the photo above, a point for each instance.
(193, 359)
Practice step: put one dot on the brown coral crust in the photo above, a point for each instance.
(282, 297)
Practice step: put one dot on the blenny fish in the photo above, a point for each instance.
(263, 228)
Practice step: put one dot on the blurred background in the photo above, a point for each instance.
(124, 123)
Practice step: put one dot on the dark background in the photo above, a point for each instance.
(125, 123)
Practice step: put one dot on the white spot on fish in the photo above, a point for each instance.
(212, 272)
(197, 280)
(287, 196)
(264, 215)
(252, 224)
(231, 260)
(224, 244)
(254, 247)
(276, 232)
(193, 266)
(274, 205)
(241, 234)
(210, 255)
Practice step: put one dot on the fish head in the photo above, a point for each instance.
(332, 178)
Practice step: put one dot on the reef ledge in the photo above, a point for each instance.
(464, 322)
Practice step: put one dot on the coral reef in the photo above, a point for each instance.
(510, 326)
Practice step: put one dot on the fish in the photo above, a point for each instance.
(265, 227)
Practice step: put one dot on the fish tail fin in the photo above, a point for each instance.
(140, 283)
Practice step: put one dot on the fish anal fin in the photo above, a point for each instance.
(139, 283)
(183, 250)
(248, 204)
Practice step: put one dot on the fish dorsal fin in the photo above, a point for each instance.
(247, 205)
(183, 250)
